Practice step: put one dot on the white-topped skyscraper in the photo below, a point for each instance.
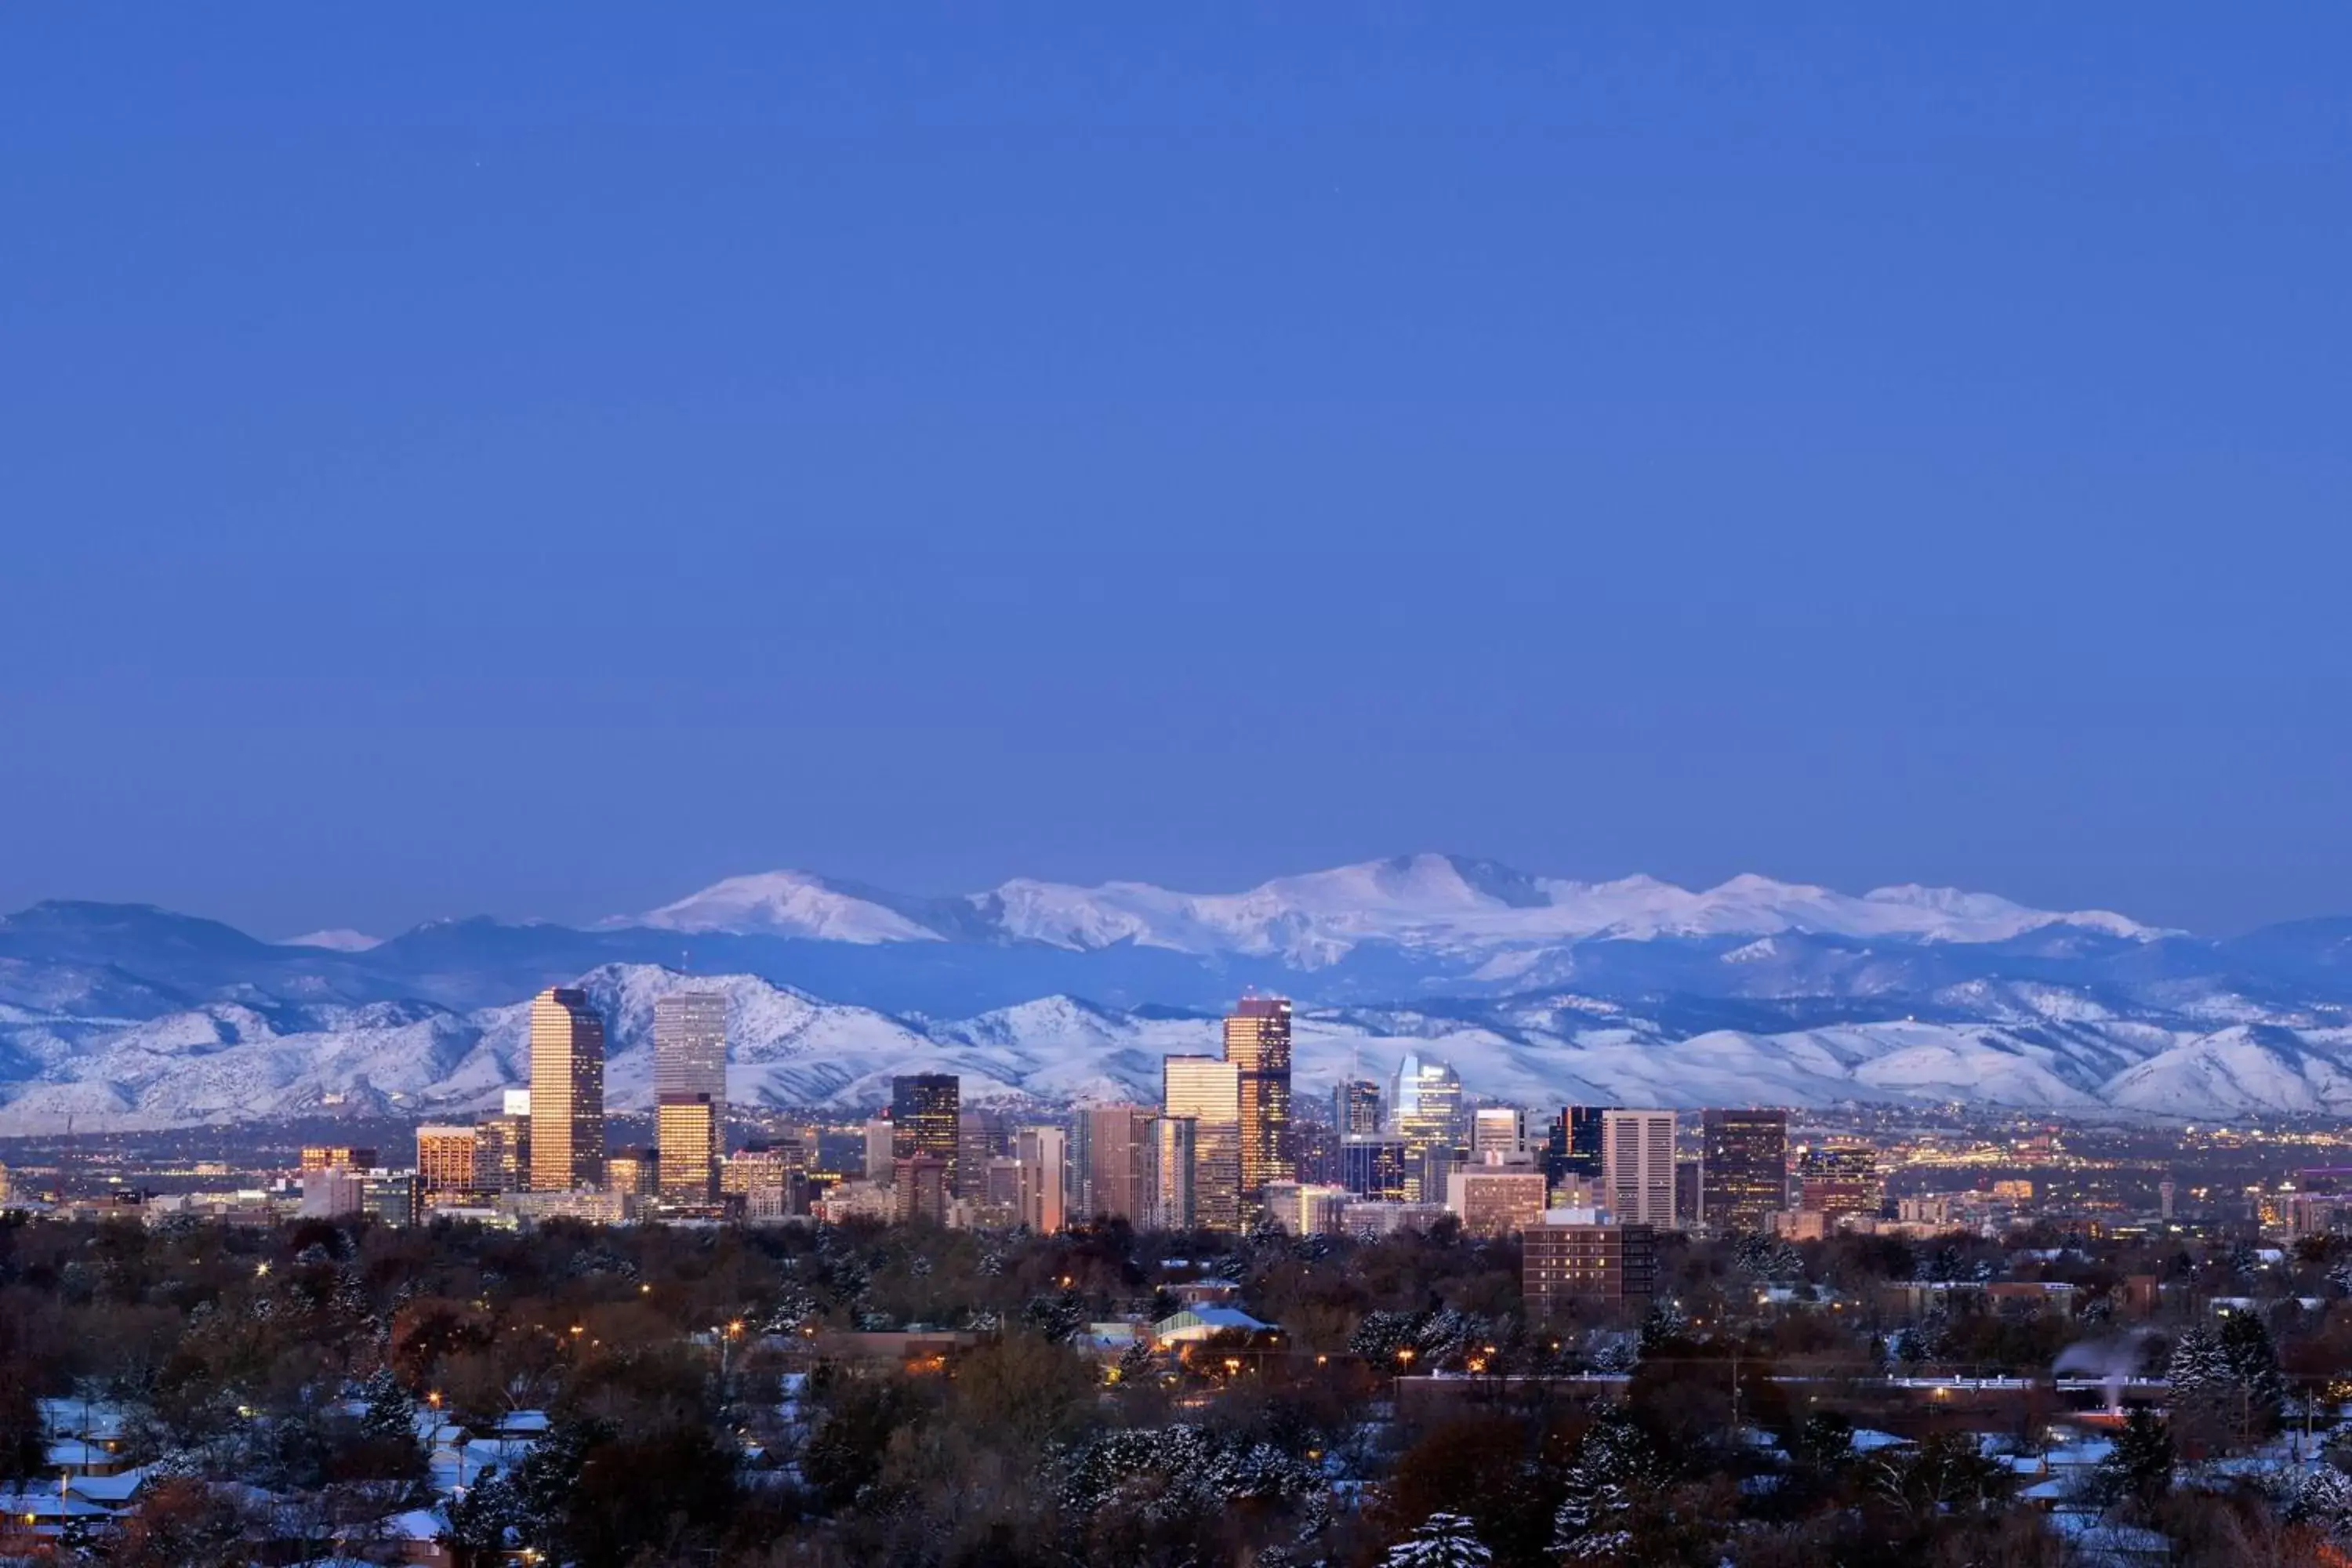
(691, 1044)
(1637, 1166)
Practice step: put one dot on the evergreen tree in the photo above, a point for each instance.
(391, 1448)
(2141, 1465)
(1057, 1317)
(2323, 1499)
(1825, 1440)
(1662, 1326)
(1440, 1540)
(480, 1517)
(1136, 1363)
(390, 1414)
(2197, 1365)
(2253, 1364)
(1595, 1515)
(1382, 1334)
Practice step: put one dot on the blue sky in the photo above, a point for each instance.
(537, 460)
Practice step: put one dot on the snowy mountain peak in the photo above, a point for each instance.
(787, 903)
(1428, 903)
(337, 940)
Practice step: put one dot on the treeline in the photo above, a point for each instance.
(699, 1410)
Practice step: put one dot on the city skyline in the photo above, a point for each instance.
(1399, 788)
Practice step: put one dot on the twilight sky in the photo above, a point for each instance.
(538, 460)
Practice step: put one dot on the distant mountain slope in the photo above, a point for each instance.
(2052, 1051)
(1542, 990)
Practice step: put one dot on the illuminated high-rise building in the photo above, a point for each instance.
(1257, 1044)
(1498, 1135)
(1743, 1169)
(1497, 1200)
(690, 1046)
(504, 1158)
(1840, 1176)
(767, 1184)
(629, 1173)
(1637, 1166)
(1118, 1182)
(450, 1159)
(1043, 1156)
(1575, 1267)
(1371, 1165)
(690, 1070)
(686, 1133)
(1425, 1110)
(920, 1190)
(981, 1135)
(1356, 1106)
(925, 1119)
(1206, 1090)
(567, 1092)
(1572, 1146)
(1174, 1161)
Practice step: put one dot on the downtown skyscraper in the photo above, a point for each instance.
(1257, 1044)
(1743, 1169)
(1116, 1182)
(926, 1115)
(1425, 1110)
(1206, 1092)
(1355, 1106)
(567, 1092)
(1637, 1166)
(690, 1092)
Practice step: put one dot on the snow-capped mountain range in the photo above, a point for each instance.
(1439, 902)
(1540, 991)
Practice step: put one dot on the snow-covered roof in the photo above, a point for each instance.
(417, 1524)
(73, 1454)
(113, 1490)
(1206, 1319)
(44, 1502)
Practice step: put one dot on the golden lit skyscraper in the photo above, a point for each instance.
(1175, 1158)
(567, 1092)
(448, 1159)
(1257, 1044)
(1207, 1091)
(689, 1069)
(686, 1133)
